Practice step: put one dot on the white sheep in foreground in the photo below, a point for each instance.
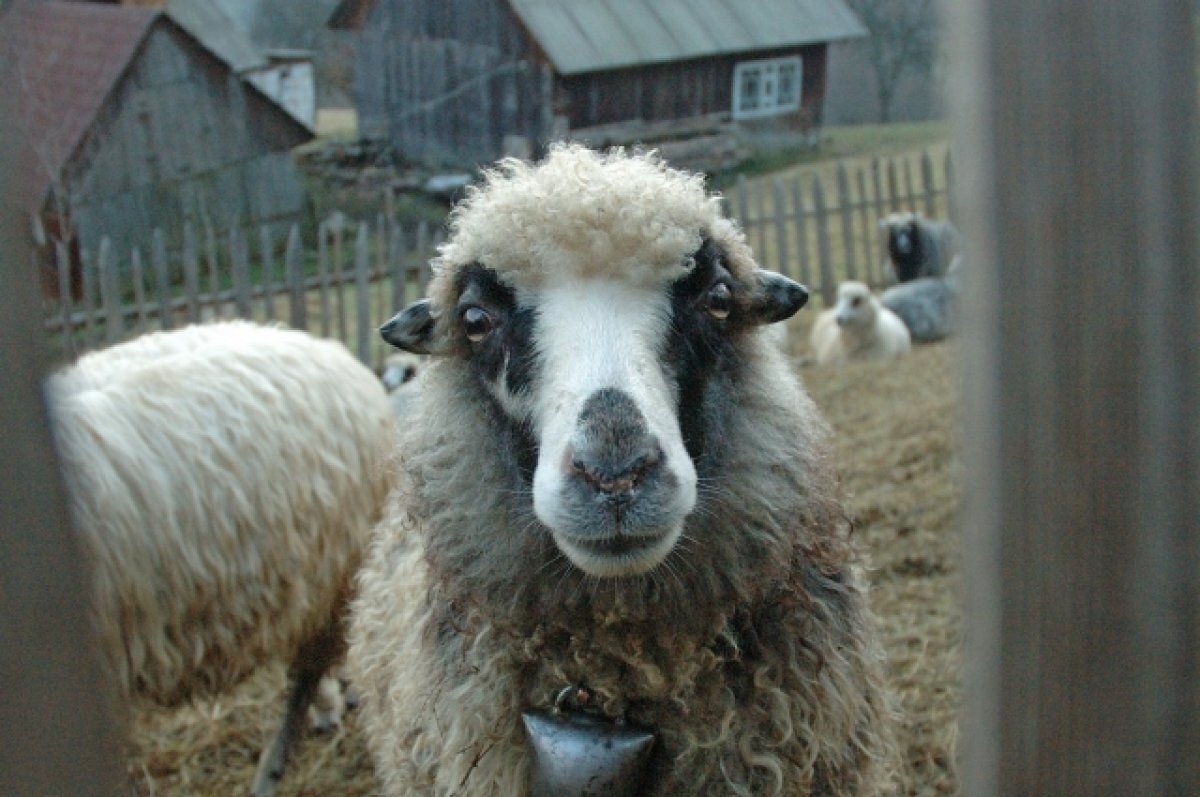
(919, 247)
(223, 479)
(614, 483)
(858, 327)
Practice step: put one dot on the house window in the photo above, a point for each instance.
(767, 87)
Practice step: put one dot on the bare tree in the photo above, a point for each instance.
(902, 39)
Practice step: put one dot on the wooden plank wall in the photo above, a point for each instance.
(1078, 175)
(55, 730)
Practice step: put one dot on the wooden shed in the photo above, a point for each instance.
(465, 81)
(131, 123)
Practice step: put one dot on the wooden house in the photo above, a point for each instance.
(466, 80)
(131, 122)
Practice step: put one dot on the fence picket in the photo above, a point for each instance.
(870, 262)
(927, 190)
(362, 291)
(241, 272)
(846, 214)
(293, 261)
(162, 284)
(266, 247)
(893, 184)
(398, 272)
(191, 273)
(214, 266)
(949, 181)
(801, 221)
(909, 194)
(760, 206)
(781, 227)
(339, 283)
(87, 299)
(323, 275)
(110, 293)
(62, 261)
(139, 286)
(423, 273)
(828, 289)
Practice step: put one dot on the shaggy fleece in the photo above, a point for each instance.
(224, 478)
(750, 650)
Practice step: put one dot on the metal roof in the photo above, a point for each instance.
(595, 35)
(213, 28)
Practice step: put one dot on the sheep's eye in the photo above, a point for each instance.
(719, 302)
(477, 323)
(856, 301)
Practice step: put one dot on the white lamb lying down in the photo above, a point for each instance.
(858, 327)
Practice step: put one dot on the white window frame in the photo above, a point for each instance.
(767, 100)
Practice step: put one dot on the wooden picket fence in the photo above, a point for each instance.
(357, 275)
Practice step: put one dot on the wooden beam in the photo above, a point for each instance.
(55, 728)
(1078, 176)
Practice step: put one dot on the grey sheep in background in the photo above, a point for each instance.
(224, 478)
(919, 247)
(613, 481)
(928, 306)
(399, 377)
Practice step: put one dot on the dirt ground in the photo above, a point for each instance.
(896, 431)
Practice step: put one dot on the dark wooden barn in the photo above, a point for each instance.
(469, 80)
(132, 123)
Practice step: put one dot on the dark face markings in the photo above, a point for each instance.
(699, 347)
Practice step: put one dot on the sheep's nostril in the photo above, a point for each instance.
(618, 480)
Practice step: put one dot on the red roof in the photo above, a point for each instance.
(68, 58)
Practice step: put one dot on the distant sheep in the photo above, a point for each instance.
(919, 247)
(223, 479)
(858, 327)
(613, 481)
(399, 377)
(928, 306)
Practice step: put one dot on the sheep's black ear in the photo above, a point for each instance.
(776, 298)
(411, 329)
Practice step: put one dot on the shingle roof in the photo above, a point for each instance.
(595, 35)
(67, 57)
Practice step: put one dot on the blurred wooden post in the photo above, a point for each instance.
(137, 277)
(239, 258)
(801, 233)
(927, 185)
(323, 275)
(55, 730)
(266, 248)
(1078, 191)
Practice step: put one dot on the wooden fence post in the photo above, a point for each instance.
(110, 293)
(781, 227)
(323, 275)
(806, 276)
(266, 247)
(240, 261)
(56, 734)
(138, 278)
(1079, 179)
(62, 261)
(191, 273)
(162, 284)
(293, 260)
(927, 185)
(871, 264)
(846, 213)
(362, 292)
(828, 286)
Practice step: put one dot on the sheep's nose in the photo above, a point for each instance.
(621, 479)
(612, 450)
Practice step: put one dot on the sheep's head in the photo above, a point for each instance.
(599, 299)
(856, 307)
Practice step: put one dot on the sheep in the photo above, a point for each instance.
(614, 488)
(928, 306)
(224, 478)
(919, 247)
(399, 376)
(858, 327)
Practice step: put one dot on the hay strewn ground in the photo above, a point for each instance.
(896, 430)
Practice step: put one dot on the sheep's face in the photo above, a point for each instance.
(606, 384)
(855, 308)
